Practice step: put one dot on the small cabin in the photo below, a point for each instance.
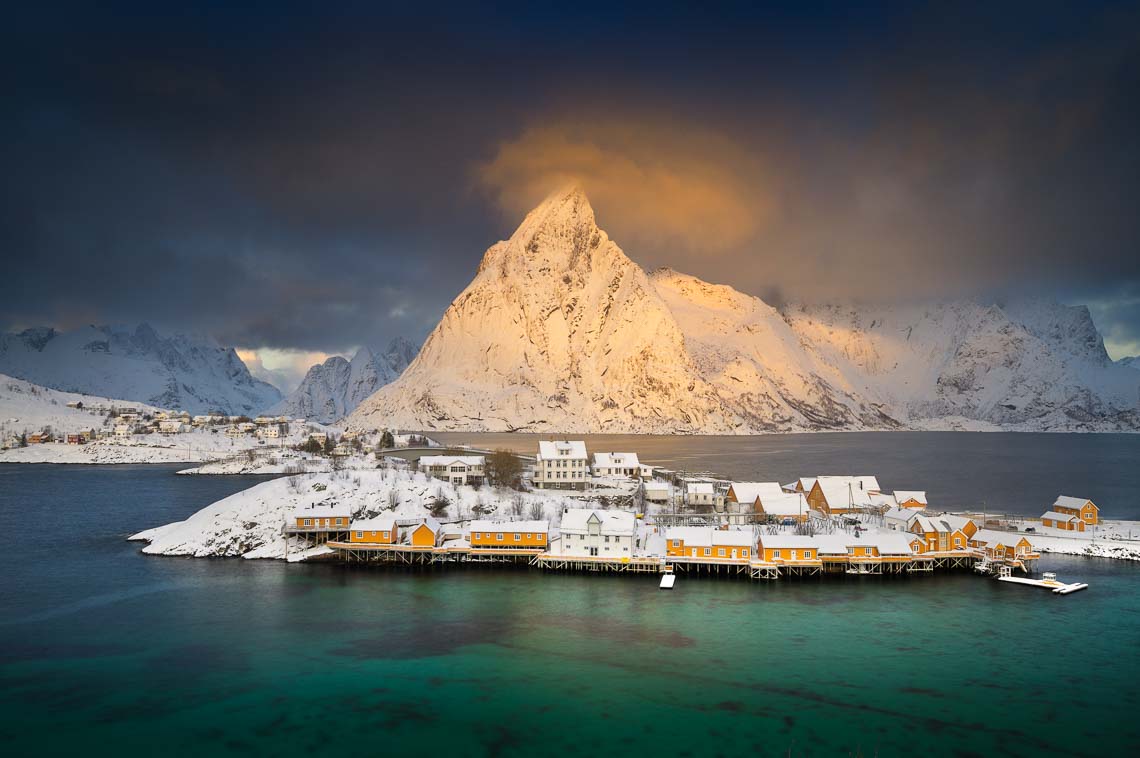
(322, 518)
(381, 530)
(427, 533)
(910, 499)
(706, 542)
(785, 548)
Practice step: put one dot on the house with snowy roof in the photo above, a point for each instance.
(1064, 510)
(378, 530)
(910, 499)
(838, 495)
(456, 469)
(784, 506)
(702, 494)
(597, 533)
(1002, 545)
(426, 534)
(744, 496)
(788, 549)
(561, 465)
(322, 517)
(616, 464)
(656, 492)
(509, 536)
(942, 533)
(708, 543)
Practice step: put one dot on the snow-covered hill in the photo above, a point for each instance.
(180, 372)
(561, 332)
(331, 390)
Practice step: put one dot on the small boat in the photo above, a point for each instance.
(667, 581)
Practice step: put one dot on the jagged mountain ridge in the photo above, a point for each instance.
(331, 390)
(560, 331)
(183, 372)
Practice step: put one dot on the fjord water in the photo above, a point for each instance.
(103, 649)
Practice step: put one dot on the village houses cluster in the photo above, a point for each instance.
(818, 523)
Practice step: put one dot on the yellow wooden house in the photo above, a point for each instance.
(1082, 508)
(527, 536)
(426, 534)
(381, 530)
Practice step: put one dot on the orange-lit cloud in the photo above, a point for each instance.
(282, 368)
(650, 183)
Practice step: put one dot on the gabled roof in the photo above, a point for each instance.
(700, 488)
(616, 460)
(692, 536)
(430, 523)
(806, 482)
(905, 515)
(957, 522)
(843, 492)
(747, 492)
(994, 537)
(901, 496)
(657, 486)
(612, 522)
(448, 460)
(1054, 516)
(548, 450)
(1064, 501)
(786, 504)
(791, 541)
(374, 524)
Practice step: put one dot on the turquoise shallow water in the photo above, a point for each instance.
(106, 650)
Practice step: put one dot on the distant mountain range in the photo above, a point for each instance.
(194, 374)
(561, 332)
(331, 390)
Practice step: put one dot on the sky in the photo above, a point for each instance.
(298, 180)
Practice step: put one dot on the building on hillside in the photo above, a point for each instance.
(122, 431)
(341, 450)
(882, 501)
(322, 518)
(39, 438)
(910, 499)
(839, 495)
(509, 535)
(616, 465)
(379, 530)
(428, 533)
(272, 432)
(744, 497)
(172, 426)
(456, 469)
(79, 438)
(319, 437)
(561, 465)
(899, 519)
(788, 549)
(787, 506)
(233, 432)
(647, 471)
(1084, 509)
(600, 533)
(706, 542)
(248, 427)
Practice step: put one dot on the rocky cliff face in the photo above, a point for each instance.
(188, 373)
(333, 389)
(560, 331)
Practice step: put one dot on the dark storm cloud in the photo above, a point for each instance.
(283, 176)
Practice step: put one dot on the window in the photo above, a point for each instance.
(807, 554)
(676, 543)
(708, 551)
(308, 522)
(607, 538)
(499, 536)
(360, 535)
(775, 553)
(384, 535)
(744, 552)
(474, 536)
(720, 552)
(518, 537)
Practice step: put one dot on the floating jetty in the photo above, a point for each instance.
(1047, 581)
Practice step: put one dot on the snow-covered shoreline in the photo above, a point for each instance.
(249, 523)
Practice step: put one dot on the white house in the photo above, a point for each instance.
(702, 494)
(172, 426)
(657, 492)
(457, 469)
(561, 465)
(617, 464)
(233, 432)
(272, 432)
(900, 519)
(122, 431)
(590, 532)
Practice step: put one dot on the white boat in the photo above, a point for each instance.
(1047, 581)
(667, 581)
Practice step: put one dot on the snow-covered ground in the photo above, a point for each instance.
(191, 447)
(1110, 539)
(249, 523)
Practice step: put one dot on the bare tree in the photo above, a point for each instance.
(537, 512)
(518, 505)
(504, 469)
